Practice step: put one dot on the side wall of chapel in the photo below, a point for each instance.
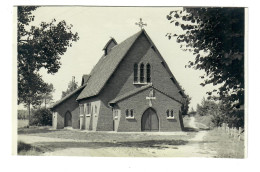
(70, 105)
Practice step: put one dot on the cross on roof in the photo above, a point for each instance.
(151, 97)
(141, 24)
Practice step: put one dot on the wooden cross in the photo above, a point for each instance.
(150, 97)
(141, 24)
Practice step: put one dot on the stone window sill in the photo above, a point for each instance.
(88, 115)
(141, 83)
(130, 117)
(170, 117)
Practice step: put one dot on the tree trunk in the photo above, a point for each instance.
(29, 113)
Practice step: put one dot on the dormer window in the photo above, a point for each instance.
(110, 44)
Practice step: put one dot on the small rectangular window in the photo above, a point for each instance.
(81, 109)
(87, 108)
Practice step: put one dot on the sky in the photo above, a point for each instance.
(95, 26)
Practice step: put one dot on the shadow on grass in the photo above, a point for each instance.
(23, 148)
(204, 129)
(159, 144)
(34, 130)
(189, 129)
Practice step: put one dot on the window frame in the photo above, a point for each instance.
(171, 114)
(130, 114)
(135, 73)
(142, 73)
(148, 73)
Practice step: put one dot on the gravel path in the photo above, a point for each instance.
(69, 147)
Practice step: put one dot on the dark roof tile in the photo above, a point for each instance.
(105, 67)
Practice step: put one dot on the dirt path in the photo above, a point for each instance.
(194, 148)
(192, 123)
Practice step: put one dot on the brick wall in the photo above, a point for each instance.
(122, 79)
(90, 123)
(139, 104)
(70, 105)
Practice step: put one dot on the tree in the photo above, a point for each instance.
(41, 117)
(71, 87)
(207, 107)
(216, 38)
(185, 101)
(38, 47)
(47, 97)
(192, 110)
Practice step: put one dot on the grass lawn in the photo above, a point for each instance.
(67, 138)
(22, 123)
(224, 145)
(101, 136)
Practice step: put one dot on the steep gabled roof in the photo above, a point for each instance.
(137, 90)
(106, 67)
(132, 92)
(67, 96)
(108, 64)
(165, 65)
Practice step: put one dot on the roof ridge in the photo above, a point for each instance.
(137, 90)
(67, 96)
(166, 65)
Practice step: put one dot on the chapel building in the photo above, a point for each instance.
(130, 89)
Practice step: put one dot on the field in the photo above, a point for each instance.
(224, 145)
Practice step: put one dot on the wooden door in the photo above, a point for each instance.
(150, 121)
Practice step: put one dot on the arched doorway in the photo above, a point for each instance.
(150, 121)
(67, 120)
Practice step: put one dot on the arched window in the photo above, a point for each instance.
(171, 113)
(135, 72)
(131, 112)
(168, 113)
(126, 113)
(142, 72)
(148, 73)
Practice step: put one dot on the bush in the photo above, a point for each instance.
(233, 119)
(41, 117)
(22, 114)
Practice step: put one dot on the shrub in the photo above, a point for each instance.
(41, 117)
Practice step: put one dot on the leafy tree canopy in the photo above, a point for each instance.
(71, 87)
(39, 47)
(216, 38)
